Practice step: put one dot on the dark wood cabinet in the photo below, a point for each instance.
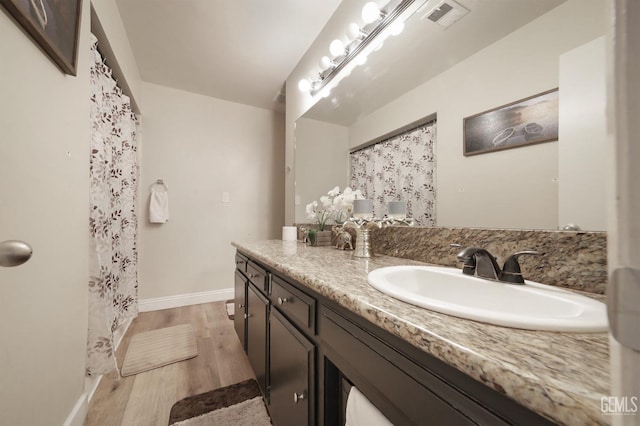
(304, 347)
(240, 308)
(292, 361)
(257, 334)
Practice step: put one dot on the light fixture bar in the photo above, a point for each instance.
(384, 23)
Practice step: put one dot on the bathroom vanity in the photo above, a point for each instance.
(312, 327)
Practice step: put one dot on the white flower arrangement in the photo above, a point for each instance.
(334, 205)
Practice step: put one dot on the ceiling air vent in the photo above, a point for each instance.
(446, 13)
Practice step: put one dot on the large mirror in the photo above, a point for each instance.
(498, 53)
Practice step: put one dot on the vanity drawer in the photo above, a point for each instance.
(241, 263)
(299, 307)
(257, 276)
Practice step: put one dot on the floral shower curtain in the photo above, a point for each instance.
(402, 168)
(113, 257)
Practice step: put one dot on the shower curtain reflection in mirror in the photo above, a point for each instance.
(401, 168)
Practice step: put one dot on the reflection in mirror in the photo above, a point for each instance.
(401, 169)
(498, 53)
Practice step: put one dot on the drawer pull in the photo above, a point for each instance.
(282, 300)
(297, 397)
(252, 276)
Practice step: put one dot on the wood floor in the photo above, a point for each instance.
(147, 398)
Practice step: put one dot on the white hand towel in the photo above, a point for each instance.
(361, 412)
(159, 206)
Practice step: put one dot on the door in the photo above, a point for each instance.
(44, 193)
(257, 311)
(292, 361)
(240, 297)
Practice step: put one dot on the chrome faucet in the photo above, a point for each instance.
(480, 263)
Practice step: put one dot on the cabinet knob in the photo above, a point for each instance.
(282, 300)
(252, 276)
(298, 397)
(246, 316)
(240, 305)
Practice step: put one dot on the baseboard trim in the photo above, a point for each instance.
(179, 300)
(79, 412)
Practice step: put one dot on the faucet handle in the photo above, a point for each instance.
(511, 271)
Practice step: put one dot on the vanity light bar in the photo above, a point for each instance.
(387, 20)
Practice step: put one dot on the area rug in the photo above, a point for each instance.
(240, 404)
(157, 348)
(230, 306)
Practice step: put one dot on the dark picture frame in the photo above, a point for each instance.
(53, 24)
(526, 121)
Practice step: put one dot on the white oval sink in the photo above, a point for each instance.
(532, 306)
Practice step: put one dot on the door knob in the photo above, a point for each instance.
(14, 253)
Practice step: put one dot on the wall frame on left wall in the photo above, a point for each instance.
(53, 25)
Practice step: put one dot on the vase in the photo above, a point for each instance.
(319, 238)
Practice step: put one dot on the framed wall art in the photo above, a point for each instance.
(53, 24)
(524, 122)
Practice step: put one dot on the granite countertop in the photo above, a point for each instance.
(561, 376)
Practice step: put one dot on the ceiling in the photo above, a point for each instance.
(240, 51)
(422, 51)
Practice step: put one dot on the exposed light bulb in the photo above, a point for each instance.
(370, 12)
(396, 28)
(336, 48)
(325, 92)
(353, 31)
(326, 63)
(304, 85)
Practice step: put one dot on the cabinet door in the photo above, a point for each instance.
(257, 311)
(292, 362)
(240, 299)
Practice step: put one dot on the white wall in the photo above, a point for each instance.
(518, 187)
(202, 147)
(583, 133)
(44, 189)
(322, 150)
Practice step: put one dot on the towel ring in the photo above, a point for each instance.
(160, 182)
